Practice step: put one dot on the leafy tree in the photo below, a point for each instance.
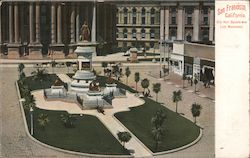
(68, 120)
(43, 120)
(177, 96)
(137, 79)
(157, 89)
(25, 91)
(29, 101)
(124, 137)
(127, 73)
(22, 77)
(196, 110)
(183, 80)
(145, 85)
(104, 65)
(40, 74)
(195, 84)
(116, 71)
(68, 64)
(158, 129)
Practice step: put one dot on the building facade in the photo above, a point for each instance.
(144, 24)
(38, 29)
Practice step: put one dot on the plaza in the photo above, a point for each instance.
(116, 68)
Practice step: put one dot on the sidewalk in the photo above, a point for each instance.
(64, 78)
(112, 124)
(176, 80)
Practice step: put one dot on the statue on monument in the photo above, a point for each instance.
(85, 32)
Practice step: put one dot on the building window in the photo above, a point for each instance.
(124, 44)
(125, 33)
(205, 20)
(152, 44)
(152, 16)
(173, 16)
(173, 34)
(117, 33)
(189, 38)
(134, 16)
(152, 33)
(205, 35)
(134, 33)
(205, 15)
(117, 16)
(143, 34)
(125, 10)
(143, 18)
(189, 12)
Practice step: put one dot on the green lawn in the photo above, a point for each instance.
(88, 136)
(179, 130)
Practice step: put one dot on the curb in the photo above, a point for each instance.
(55, 148)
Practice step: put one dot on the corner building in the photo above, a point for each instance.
(40, 29)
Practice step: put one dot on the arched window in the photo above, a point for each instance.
(134, 33)
(143, 34)
(134, 15)
(152, 16)
(189, 38)
(125, 33)
(143, 16)
(152, 33)
(125, 12)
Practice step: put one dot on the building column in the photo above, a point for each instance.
(180, 24)
(59, 24)
(35, 47)
(77, 24)
(93, 30)
(38, 23)
(147, 16)
(16, 20)
(13, 46)
(211, 24)
(196, 24)
(31, 26)
(167, 23)
(53, 23)
(162, 18)
(72, 24)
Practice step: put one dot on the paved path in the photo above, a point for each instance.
(113, 125)
(65, 78)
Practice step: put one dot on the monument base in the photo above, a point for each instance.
(56, 51)
(88, 44)
(13, 50)
(35, 51)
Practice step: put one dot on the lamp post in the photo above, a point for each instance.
(31, 121)
(165, 45)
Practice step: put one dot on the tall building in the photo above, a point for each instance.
(36, 29)
(144, 24)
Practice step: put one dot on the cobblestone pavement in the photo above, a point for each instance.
(16, 144)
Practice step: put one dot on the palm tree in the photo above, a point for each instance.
(195, 83)
(159, 118)
(158, 129)
(177, 96)
(20, 68)
(157, 89)
(145, 85)
(157, 135)
(68, 64)
(43, 120)
(39, 74)
(124, 137)
(183, 80)
(137, 79)
(68, 120)
(104, 65)
(127, 73)
(196, 110)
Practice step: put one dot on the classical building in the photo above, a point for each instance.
(144, 24)
(35, 29)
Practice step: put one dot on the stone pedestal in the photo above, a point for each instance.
(133, 55)
(14, 50)
(35, 51)
(56, 51)
(88, 44)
